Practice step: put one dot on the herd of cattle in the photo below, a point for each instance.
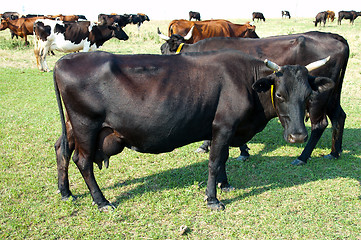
(212, 82)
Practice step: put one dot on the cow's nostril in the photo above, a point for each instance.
(297, 138)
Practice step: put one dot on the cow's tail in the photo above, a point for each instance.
(64, 143)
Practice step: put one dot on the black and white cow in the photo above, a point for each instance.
(70, 37)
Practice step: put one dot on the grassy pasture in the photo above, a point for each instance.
(156, 194)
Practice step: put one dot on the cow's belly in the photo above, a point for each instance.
(63, 45)
(156, 133)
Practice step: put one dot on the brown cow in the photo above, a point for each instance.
(211, 28)
(21, 26)
(61, 17)
(330, 15)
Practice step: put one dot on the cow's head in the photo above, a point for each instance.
(250, 31)
(290, 88)
(4, 24)
(173, 42)
(118, 31)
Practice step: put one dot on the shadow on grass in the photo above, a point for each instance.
(259, 174)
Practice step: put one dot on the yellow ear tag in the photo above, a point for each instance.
(273, 103)
(179, 48)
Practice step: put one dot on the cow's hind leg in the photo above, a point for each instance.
(204, 148)
(337, 118)
(63, 155)
(85, 165)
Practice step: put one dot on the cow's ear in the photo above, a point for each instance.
(320, 84)
(263, 84)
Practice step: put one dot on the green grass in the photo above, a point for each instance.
(156, 194)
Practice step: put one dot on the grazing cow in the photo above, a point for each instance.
(137, 101)
(321, 17)
(351, 15)
(70, 37)
(330, 15)
(258, 16)
(209, 29)
(195, 15)
(286, 14)
(21, 27)
(296, 49)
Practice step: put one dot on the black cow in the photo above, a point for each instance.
(156, 103)
(351, 15)
(258, 16)
(195, 15)
(286, 14)
(321, 17)
(106, 19)
(296, 49)
(137, 19)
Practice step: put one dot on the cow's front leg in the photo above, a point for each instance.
(85, 167)
(316, 133)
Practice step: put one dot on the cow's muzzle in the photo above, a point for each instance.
(296, 138)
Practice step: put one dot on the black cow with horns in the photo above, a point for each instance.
(136, 101)
(299, 49)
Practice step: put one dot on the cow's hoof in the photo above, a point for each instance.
(216, 206)
(70, 198)
(298, 162)
(201, 150)
(330, 157)
(242, 158)
(107, 208)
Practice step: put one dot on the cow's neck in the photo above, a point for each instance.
(14, 25)
(99, 40)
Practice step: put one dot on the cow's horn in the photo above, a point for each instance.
(272, 65)
(189, 34)
(162, 36)
(317, 64)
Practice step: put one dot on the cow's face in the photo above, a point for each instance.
(4, 24)
(171, 45)
(174, 41)
(291, 87)
(118, 32)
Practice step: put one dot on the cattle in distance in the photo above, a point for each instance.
(321, 17)
(301, 49)
(286, 14)
(194, 15)
(137, 101)
(330, 15)
(21, 27)
(351, 15)
(258, 16)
